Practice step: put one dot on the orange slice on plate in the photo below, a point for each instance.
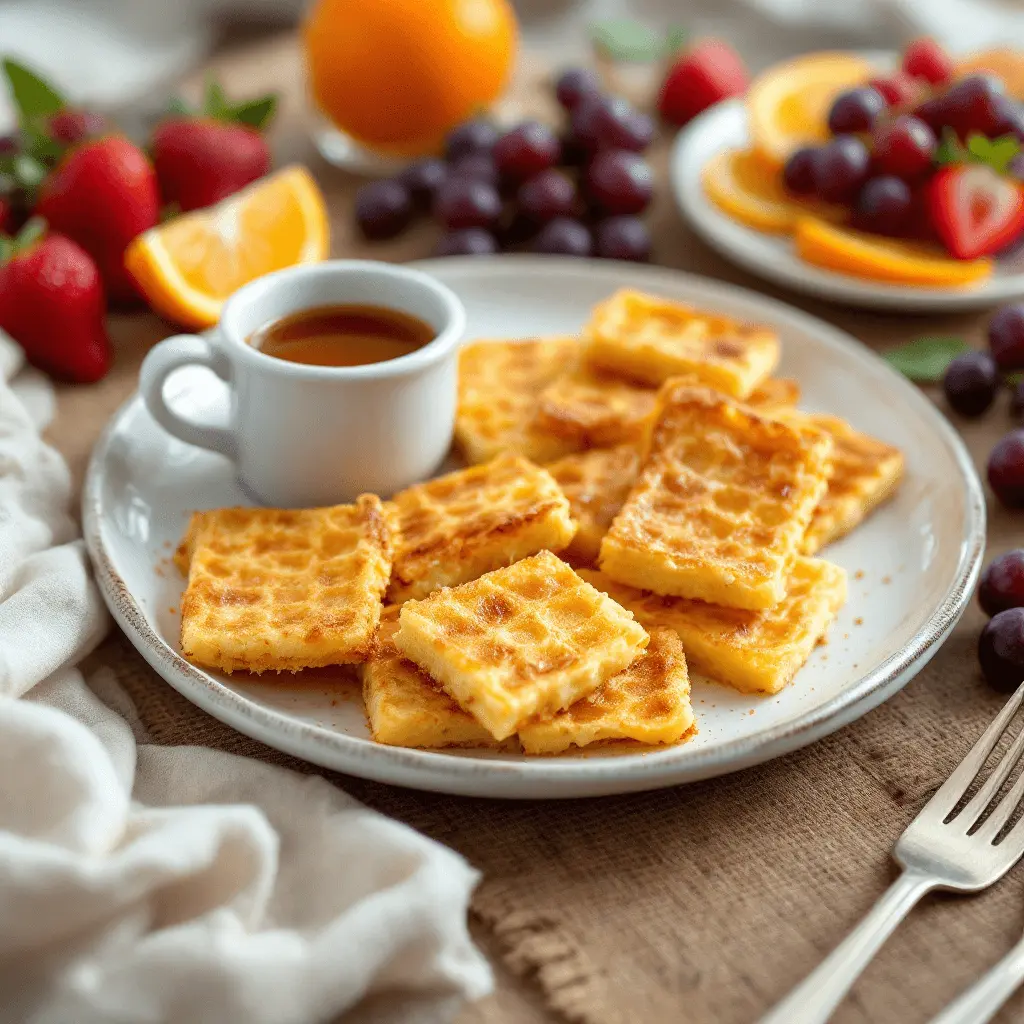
(788, 105)
(188, 266)
(1003, 62)
(884, 259)
(740, 184)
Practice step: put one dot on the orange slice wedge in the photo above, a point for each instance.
(884, 259)
(1005, 63)
(740, 184)
(788, 105)
(188, 266)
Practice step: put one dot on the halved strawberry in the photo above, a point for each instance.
(975, 211)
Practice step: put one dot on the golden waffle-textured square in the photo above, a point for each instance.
(279, 589)
(499, 382)
(596, 483)
(649, 702)
(405, 707)
(457, 527)
(521, 642)
(651, 339)
(755, 652)
(775, 393)
(865, 473)
(722, 503)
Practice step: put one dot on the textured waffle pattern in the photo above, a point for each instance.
(284, 590)
(756, 652)
(865, 472)
(596, 483)
(521, 642)
(721, 505)
(405, 707)
(457, 527)
(651, 339)
(499, 383)
(649, 702)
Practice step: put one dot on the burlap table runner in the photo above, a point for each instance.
(704, 903)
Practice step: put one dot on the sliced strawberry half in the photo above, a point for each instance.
(975, 211)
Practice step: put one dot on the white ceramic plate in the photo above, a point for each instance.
(912, 566)
(773, 257)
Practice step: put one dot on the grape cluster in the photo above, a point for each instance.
(1001, 646)
(579, 194)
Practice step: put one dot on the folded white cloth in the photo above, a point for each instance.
(179, 884)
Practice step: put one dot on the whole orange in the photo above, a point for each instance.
(396, 75)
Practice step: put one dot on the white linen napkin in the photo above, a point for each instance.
(178, 884)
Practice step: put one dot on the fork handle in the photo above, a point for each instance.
(814, 1000)
(982, 1000)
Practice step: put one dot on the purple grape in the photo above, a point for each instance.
(476, 136)
(883, 205)
(611, 123)
(855, 110)
(623, 238)
(465, 203)
(1001, 650)
(619, 182)
(973, 104)
(574, 153)
(1006, 337)
(546, 196)
(467, 242)
(383, 209)
(971, 382)
(575, 84)
(423, 178)
(1009, 119)
(840, 168)
(526, 150)
(1017, 400)
(563, 237)
(798, 174)
(478, 166)
(1002, 583)
(1006, 469)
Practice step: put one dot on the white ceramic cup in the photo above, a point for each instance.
(305, 436)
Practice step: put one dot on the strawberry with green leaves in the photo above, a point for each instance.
(204, 156)
(51, 303)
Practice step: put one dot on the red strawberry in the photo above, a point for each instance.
(924, 58)
(200, 160)
(103, 194)
(709, 72)
(51, 303)
(975, 211)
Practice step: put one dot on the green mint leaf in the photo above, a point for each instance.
(950, 150)
(215, 103)
(39, 144)
(995, 153)
(675, 39)
(29, 171)
(178, 107)
(925, 359)
(1003, 151)
(626, 41)
(255, 113)
(33, 98)
(31, 232)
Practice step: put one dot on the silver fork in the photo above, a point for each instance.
(939, 850)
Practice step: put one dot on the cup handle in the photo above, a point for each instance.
(161, 361)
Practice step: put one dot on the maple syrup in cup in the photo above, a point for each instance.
(342, 379)
(343, 335)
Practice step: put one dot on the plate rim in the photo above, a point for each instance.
(816, 282)
(442, 772)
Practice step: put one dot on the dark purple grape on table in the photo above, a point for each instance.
(1006, 469)
(546, 196)
(526, 150)
(1006, 337)
(573, 152)
(971, 383)
(855, 110)
(884, 205)
(609, 122)
(476, 136)
(619, 182)
(1002, 583)
(1017, 399)
(479, 166)
(575, 84)
(798, 172)
(423, 178)
(467, 203)
(904, 147)
(1001, 650)
(563, 236)
(383, 209)
(622, 238)
(466, 242)
(841, 168)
